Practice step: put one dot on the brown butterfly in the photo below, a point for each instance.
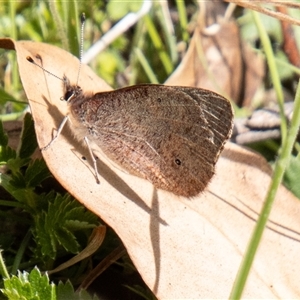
(169, 135)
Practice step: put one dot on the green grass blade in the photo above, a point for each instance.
(280, 166)
(273, 72)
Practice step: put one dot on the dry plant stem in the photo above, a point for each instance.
(229, 12)
(277, 15)
(96, 241)
(290, 4)
(123, 25)
(102, 266)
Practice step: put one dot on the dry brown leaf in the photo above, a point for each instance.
(221, 62)
(13, 129)
(212, 62)
(182, 248)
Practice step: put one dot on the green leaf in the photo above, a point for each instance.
(29, 286)
(36, 173)
(67, 239)
(44, 236)
(6, 152)
(28, 138)
(55, 227)
(5, 97)
(15, 164)
(79, 214)
(117, 11)
(66, 291)
(40, 285)
(3, 136)
(78, 225)
(14, 185)
(22, 186)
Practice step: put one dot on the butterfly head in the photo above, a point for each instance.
(70, 91)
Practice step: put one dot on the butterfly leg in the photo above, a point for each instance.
(93, 159)
(59, 130)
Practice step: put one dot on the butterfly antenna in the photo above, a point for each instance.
(82, 21)
(30, 59)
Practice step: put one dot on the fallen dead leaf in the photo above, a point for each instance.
(212, 62)
(183, 248)
(221, 61)
(13, 129)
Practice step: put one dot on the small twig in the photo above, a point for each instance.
(102, 266)
(278, 15)
(129, 20)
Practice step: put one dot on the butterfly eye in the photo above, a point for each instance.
(178, 161)
(68, 95)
